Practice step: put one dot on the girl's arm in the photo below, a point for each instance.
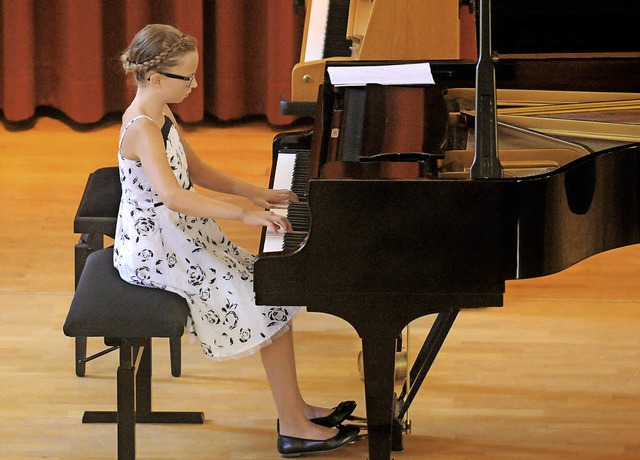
(144, 142)
(211, 178)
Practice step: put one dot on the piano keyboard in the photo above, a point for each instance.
(290, 172)
(326, 30)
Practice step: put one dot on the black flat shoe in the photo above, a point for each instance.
(295, 447)
(339, 415)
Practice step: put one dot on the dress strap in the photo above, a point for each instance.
(124, 130)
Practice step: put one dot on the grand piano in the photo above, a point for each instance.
(424, 199)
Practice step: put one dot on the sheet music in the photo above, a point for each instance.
(394, 74)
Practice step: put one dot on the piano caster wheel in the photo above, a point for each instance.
(402, 366)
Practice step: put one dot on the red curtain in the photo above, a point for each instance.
(64, 54)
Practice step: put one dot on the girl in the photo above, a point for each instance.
(167, 238)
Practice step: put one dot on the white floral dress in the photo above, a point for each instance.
(191, 256)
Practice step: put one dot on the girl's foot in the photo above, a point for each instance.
(289, 446)
(330, 417)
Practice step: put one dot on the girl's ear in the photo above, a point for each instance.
(155, 80)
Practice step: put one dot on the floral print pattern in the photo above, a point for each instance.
(163, 249)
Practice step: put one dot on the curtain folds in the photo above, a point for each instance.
(64, 54)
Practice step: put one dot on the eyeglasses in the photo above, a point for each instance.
(177, 77)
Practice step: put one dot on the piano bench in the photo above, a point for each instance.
(127, 317)
(95, 219)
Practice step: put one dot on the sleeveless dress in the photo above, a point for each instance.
(191, 256)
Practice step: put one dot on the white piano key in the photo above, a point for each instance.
(274, 242)
(318, 17)
(284, 171)
(282, 177)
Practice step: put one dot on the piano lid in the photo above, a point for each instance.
(525, 27)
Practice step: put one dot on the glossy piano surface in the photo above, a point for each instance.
(394, 232)
(397, 229)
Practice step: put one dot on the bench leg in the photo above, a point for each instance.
(126, 414)
(134, 399)
(175, 350)
(87, 243)
(144, 414)
(81, 354)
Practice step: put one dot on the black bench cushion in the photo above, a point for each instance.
(98, 208)
(104, 305)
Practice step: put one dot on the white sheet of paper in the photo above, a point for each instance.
(394, 74)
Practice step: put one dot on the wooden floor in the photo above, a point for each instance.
(554, 374)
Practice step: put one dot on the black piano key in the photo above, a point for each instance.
(298, 215)
(335, 35)
(293, 240)
(300, 174)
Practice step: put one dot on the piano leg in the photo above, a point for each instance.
(384, 422)
(378, 355)
(379, 339)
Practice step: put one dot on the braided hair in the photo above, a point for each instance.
(156, 47)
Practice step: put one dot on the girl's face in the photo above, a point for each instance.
(179, 80)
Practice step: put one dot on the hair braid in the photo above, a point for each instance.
(155, 47)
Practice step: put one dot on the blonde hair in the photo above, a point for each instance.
(156, 47)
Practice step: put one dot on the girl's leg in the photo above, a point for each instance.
(279, 363)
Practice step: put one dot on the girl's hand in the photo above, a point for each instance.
(269, 219)
(266, 198)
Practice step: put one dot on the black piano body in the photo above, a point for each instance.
(391, 239)
(388, 245)
(388, 228)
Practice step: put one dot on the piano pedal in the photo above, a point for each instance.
(398, 429)
(360, 422)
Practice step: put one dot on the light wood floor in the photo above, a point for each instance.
(554, 374)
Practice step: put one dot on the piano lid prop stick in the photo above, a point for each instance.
(486, 164)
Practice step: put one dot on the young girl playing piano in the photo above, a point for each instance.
(167, 238)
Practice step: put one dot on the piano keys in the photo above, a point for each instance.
(326, 23)
(290, 171)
